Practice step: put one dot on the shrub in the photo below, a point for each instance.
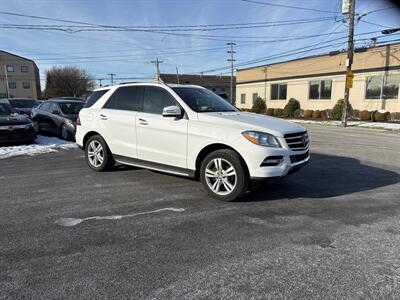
(259, 106)
(365, 115)
(394, 117)
(298, 113)
(378, 116)
(356, 114)
(308, 113)
(278, 112)
(245, 109)
(338, 110)
(316, 114)
(270, 111)
(326, 114)
(291, 107)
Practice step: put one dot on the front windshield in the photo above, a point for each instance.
(6, 110)
(203, 100)
(71, 108)
(23, 103)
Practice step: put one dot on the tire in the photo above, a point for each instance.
(216, 167)
(64, 133)
(98, 159)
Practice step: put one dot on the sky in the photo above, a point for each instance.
(263, 33)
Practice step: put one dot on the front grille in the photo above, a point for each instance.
(297, 141)
(298, 157)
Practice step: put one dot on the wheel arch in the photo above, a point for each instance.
(211, 148)
(89, 135)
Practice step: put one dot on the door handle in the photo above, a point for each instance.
(103, 117)
(143, 122)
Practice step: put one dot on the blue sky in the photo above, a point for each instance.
(128, 54)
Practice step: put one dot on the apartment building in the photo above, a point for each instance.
(319, 81)
(19, 76)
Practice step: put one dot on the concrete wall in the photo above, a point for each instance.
(297, 75)
(32, 76)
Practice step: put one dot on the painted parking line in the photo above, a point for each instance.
(69, 222)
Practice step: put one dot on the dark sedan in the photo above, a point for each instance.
(57, 116)
(15, 128)
(21, 105)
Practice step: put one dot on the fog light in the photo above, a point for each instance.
(271, 161)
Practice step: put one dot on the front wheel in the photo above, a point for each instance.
(98, 155)
(224, 175)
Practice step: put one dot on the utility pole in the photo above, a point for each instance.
(232, 60)
(6, 77)
(112, 77)
(349, 62)
(177, 75)
(265, 84)
(157, 63)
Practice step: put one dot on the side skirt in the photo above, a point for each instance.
(154, 166)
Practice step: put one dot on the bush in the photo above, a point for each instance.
(338, 110)
(394, 117)
(365, 115)
(326, 114)
(298, 113)
(259, 106)
(356, 114)
(245, 109)
(291, 107)
(316, 114)
(270, 111)
(278, 112)
(377, 116)
(308, 113)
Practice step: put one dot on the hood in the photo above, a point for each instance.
(251, 121)
(14, 120)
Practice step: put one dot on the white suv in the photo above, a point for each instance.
(189, 131)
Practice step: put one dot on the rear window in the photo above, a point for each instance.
(71, 108)
(23, 103)
(92, 99)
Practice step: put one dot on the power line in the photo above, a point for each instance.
(290, 6)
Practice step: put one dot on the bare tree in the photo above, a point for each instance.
(68, 81)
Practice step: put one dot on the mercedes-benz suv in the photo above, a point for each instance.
(189, 131)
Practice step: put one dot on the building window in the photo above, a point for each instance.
(242, 98)
(26, 85)
(10, 68)
(24, 69)
(390, 87)
(320, 89)
(278, 91)
(255, 96)
(12, 85)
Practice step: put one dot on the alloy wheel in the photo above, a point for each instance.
(95, 153)
(220, 176)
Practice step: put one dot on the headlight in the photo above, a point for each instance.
(262, 139)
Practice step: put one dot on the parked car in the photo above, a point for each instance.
(188, 131)
(67, 98)
(57, 116)
(22, 105)
(14, 128)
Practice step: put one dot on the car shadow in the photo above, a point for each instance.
(324, 177)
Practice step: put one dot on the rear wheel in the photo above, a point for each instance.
(65, 134)
(224, 175)
(98, 155)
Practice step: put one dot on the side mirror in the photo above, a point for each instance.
(172, 112)
(55, 112)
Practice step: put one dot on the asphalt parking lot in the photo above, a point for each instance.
(330, 231)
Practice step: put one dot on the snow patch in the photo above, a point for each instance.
(69, 222)
(379, 125)
(43, 144)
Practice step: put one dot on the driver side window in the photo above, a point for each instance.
(155, 99)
